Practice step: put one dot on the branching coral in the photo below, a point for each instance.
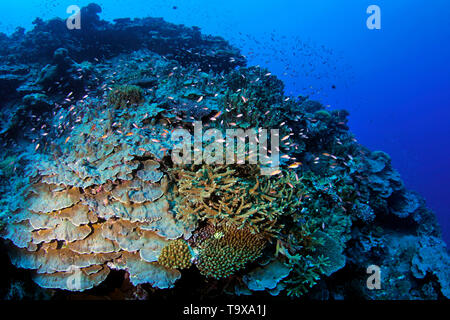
(318, 255)
(236, 194)
(307, 267)
(228, 250)
(306, 273)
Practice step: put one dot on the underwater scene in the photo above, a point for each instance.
(172, 151)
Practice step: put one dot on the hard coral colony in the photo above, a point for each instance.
(94, 189)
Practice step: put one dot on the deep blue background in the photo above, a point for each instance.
(394, 81)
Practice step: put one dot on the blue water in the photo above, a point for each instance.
(394, 81)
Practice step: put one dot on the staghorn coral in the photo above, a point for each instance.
(227, 251)
(236, 194)
(307, 273)
(176, 255)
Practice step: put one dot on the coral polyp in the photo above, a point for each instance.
(228, 250)
(176, 255)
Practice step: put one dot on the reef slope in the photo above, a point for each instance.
(92, 202)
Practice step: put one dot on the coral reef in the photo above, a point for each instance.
(221, 193)
(90, 192)
(186, 45)
(124, 96)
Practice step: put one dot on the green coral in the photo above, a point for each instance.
(307, 271)
(228, 250)
(332, 251)
(176, 255)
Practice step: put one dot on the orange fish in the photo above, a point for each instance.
(274, 173)
(295, 165)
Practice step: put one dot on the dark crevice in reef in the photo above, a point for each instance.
(16, 284)
(89, 191)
